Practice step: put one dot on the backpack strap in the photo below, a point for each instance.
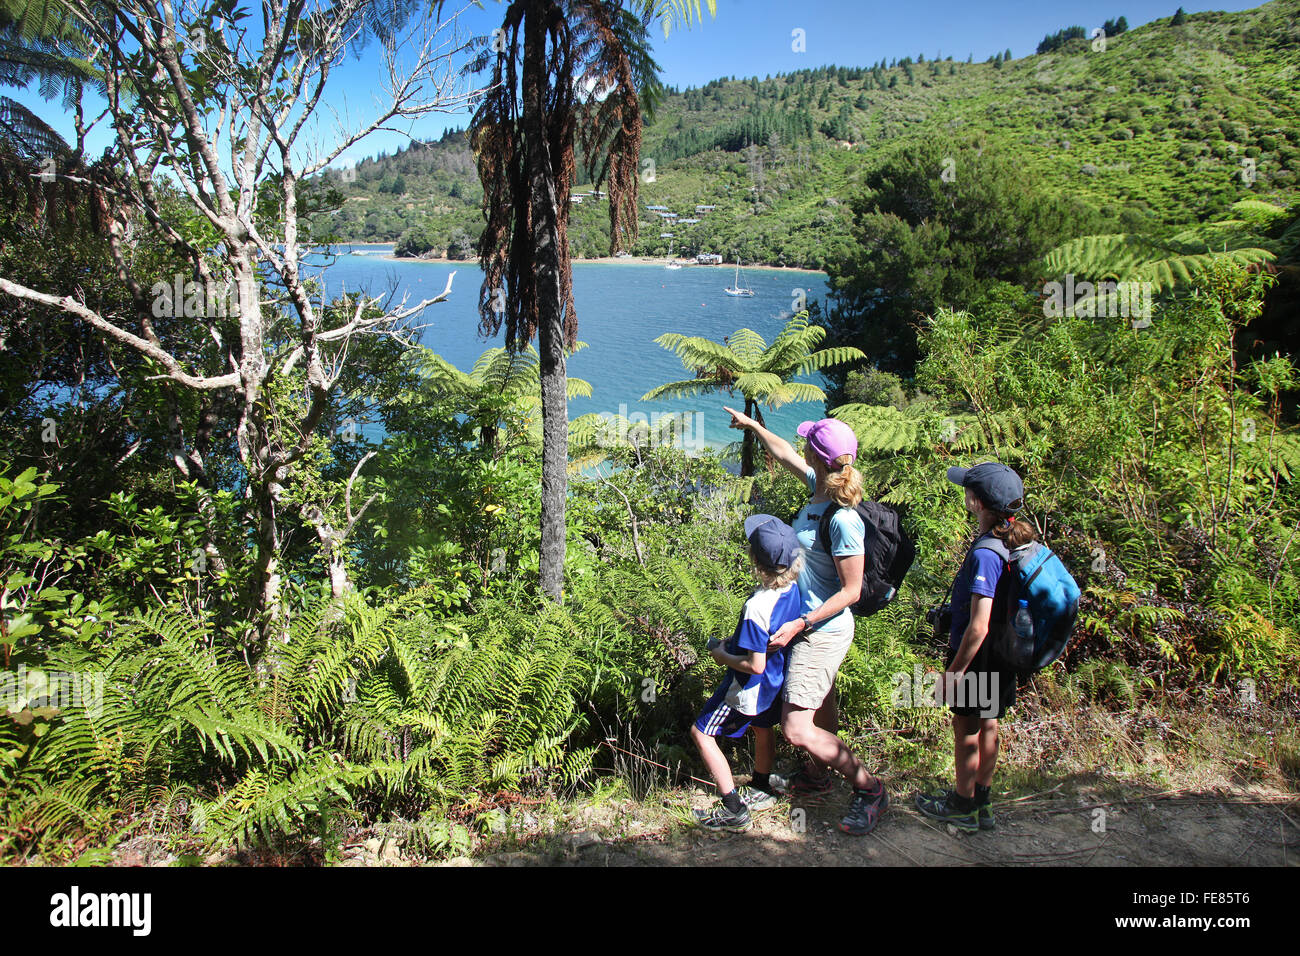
(824, 526)
(1001, 593)
(991, 542)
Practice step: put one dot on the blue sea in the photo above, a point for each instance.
(621, 308)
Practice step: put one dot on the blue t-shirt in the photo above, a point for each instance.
(978, 575)
(763, 614)
(819, 578)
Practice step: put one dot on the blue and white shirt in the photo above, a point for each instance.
(763, 614)
(819, 578)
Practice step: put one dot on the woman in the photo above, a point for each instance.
(829, 586)
(976, 688)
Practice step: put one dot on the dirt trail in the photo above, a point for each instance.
(1078, 823)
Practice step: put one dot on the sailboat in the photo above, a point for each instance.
(735, 288)
(672, 263)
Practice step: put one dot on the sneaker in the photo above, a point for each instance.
(757, 799)
(984, 812)
(939, 806)
(718, 817)
(865, 811)
(803, 782)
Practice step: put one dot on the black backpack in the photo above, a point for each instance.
(888, 553)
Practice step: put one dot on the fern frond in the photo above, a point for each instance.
(883, 428)
(696, 352)
(1137, 258)
(687, 388)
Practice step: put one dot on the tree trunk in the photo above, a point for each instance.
(487, 439)
(550, 330)
(331, 541)
(747, 444)
(253, 439)
(758, 417)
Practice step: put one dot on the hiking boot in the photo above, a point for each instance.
(984, 812)
(865, 810)
(757, 799)
(803, 782)
(719, 818)
(939, 806)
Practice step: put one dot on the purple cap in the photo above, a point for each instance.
(830, 438)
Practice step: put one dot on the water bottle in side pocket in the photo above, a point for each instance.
(1022, 643)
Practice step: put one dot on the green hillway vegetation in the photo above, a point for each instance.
(1150, 132)
(227, 652)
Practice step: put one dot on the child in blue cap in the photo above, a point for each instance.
(750, 692)
(976, 685)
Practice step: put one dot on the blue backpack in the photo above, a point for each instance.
(1034, 608)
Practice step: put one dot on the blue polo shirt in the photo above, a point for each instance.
(762, 616)
(979, 574)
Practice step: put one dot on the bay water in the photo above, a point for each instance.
(622, 307)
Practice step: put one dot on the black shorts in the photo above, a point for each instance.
(985, 690)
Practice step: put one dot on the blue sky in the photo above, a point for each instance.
(756, 37)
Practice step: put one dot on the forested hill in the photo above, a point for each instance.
(1167, 124)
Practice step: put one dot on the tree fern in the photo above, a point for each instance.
(886, 429)
(745, 363)
(594, 437)
(1164, 263)
(31, 137)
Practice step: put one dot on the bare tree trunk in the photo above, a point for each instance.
(333, 539)
(332, 550)
(266, 579)
(256, 454)
(550, 332)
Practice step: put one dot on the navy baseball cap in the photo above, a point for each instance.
(993, 483)
(773, 541)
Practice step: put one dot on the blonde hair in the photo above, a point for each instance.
(845, 483)
(776, 578)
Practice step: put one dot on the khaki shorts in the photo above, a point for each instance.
(813, 662)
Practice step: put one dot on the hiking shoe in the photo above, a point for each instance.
(984, 812)
(939, 806)
(865, 810)
(803, 782)
(718, 818)
(757, 799)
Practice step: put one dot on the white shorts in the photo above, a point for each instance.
(813, 661)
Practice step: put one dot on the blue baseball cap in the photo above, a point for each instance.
(993, 483)
(773, 541)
